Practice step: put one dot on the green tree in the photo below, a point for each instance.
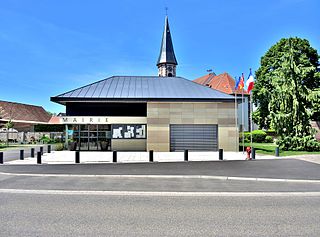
(9, 124)
(291, 101)
(267, 75)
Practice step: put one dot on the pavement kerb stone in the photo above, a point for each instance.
(161, 193)
(169, 177)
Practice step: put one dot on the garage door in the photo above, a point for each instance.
(196, 137)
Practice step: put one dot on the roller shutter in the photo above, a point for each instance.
(196, 137)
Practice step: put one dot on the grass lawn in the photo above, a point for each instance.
(269, 149)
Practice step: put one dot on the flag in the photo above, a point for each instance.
(250, 82)
(241, 83)
(237, 82)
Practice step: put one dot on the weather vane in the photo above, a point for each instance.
(166, 8)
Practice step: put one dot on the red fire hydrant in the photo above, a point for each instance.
(248, 150)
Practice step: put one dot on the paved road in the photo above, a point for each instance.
(42, 205)
(90, 215)
(150, 184)
(286, 169)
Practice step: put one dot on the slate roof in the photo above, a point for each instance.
(166, 51)
(22, 112)
(223, 82)
(142, 88)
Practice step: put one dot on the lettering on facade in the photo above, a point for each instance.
(129, 131)
(84, 120)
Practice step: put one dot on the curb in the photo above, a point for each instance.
(225, 178)
(161, 194)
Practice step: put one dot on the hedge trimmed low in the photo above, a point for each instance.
(257, 136)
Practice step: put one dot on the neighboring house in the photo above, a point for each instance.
(226, 84)
(23, 116)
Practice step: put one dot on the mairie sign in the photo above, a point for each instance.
(84, 120)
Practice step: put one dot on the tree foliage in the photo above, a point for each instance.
(9, 124)
(305, 57)
(285, 93)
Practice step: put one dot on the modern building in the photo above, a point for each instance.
(226, 84)
(23, 116)
(160, 113)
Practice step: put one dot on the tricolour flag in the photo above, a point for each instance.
(241, 83)
(250, 82)
(237, 82)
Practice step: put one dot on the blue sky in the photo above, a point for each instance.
(49, 47)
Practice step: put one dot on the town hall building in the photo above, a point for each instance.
(141, 113)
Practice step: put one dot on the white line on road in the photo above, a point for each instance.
(162, 194)
(167, 177)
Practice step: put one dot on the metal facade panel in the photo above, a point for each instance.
(193, 137)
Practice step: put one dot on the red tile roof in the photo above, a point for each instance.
(55, 120)
(23, 112)
(223, 82)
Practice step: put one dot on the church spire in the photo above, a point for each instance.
(167, 60)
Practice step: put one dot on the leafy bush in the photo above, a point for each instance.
(268, 139)
(307, 143)
(257, 136)
(246, 137)
(59, 147)
(45, 139)
(271, 133)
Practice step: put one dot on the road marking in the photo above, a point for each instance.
(161, 194)
(167, 177)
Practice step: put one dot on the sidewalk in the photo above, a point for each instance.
(68, 157)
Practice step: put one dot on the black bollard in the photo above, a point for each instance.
(41, 150)
(186, 155)
(277, 151)
(253, 152)
(77, 157)
(49, 148)
(39, 157)
(32, 152)
(151, 155)
(1, 157)
(114, 156)
(220, 154)
(21, 154)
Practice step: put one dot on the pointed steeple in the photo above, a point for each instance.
(167, 60)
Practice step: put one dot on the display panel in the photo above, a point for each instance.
(129, 131)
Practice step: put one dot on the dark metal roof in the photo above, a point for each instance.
(166, 50)
(142, 89)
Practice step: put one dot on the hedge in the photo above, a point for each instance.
(257, 136)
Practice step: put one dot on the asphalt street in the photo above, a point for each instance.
(90, 215)
(285, 169)
(84, 200)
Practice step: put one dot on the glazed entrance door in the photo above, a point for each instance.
(93, 137)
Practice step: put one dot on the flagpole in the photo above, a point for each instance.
(251, 119)
(236, 119)
(242, 123)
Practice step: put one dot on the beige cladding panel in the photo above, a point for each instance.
(129, 144)
(161, 115)
(228, 139)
